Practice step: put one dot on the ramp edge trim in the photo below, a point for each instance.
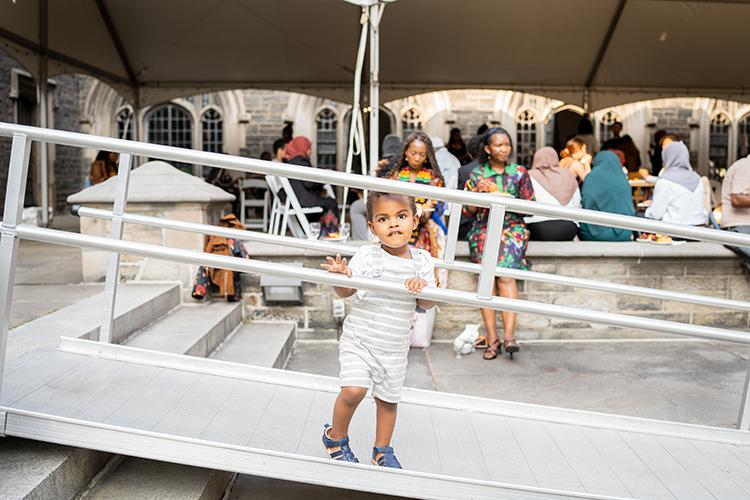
(413, 396)
(267, 463)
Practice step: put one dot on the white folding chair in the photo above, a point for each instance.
(261, 203)
(288, 213)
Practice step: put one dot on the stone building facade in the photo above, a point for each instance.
(246, 122)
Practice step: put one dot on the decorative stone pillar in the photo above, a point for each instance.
(157, 189)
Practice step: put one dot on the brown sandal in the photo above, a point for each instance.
(493, 349)
(481, 342)
(511, 346)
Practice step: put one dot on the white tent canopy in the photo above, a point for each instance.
(605, 51)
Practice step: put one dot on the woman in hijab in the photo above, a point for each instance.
(606, 189)
(554, 185)
(678, 194)
(311, 194)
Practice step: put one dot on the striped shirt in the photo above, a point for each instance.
(377, 319)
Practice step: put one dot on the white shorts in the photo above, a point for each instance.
(363, 366)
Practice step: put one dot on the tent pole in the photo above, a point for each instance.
(375, 12)
(43, 118)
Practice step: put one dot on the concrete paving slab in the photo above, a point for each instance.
(685, 381)
(46, 264)
(33, 301)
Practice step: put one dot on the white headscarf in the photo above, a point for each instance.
(677, 168)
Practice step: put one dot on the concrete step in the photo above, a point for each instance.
(151, 480)
(260, 343)
(192, 329)
(137, 305)
(35, 470)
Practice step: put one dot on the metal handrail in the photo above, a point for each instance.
(239, 264)
(12, 230)
(252, 165)
(324, 247)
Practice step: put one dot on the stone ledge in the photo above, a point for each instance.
(548, 249)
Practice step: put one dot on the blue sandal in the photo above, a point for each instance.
(343, 452)
(386, 459)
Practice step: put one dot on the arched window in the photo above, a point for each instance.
(605, 132)
(125, 124)
(170, 125)
(411, 121)
(525, 137)
(718, 145)
(213, 133)
(326, 136)
(743, 136)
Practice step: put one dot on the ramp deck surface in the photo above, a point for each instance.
(268, 422)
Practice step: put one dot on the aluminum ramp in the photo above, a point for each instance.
(268, 422)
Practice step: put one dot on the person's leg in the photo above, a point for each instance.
(386, 422)
(490, 325)
(553, 230)
(343, 410)
(508, 288)
(358, 217)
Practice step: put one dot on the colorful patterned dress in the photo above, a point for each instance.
(516, 182)
(429, 235)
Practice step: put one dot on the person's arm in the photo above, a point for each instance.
(740, 200)
(338, 265)
(659, 202)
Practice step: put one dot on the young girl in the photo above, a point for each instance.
(417, 164)
(375, 343)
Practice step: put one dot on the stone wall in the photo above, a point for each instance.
(715, 276)
(67, 169)
(6, 115)
(266, 109)
(70, 169)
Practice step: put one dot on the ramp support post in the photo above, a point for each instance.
(14, 196)
(113, 265)
(492, 241)
(743, 421)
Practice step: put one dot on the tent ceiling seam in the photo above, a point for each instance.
(107, 18)
(605, 43)
(70, 61)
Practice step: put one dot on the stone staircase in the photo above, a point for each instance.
(148, 318)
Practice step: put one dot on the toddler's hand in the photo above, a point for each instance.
(415, 285)
(337, 265)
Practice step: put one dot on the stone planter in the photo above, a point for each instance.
(157, 189)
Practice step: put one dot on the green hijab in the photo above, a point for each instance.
(606, 189)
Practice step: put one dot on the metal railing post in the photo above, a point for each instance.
(493, 237)
(743, 421)
(113, 265)
(14, 196)
(454, 221)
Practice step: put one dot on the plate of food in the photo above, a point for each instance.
(333, 237)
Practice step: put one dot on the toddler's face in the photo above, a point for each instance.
(393, 221)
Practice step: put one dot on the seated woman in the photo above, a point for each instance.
(606, 189)
(678, 193)
(556, 186)
(311, 194)
(575, 157)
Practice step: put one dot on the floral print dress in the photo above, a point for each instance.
(429, 235)
(514, 181)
